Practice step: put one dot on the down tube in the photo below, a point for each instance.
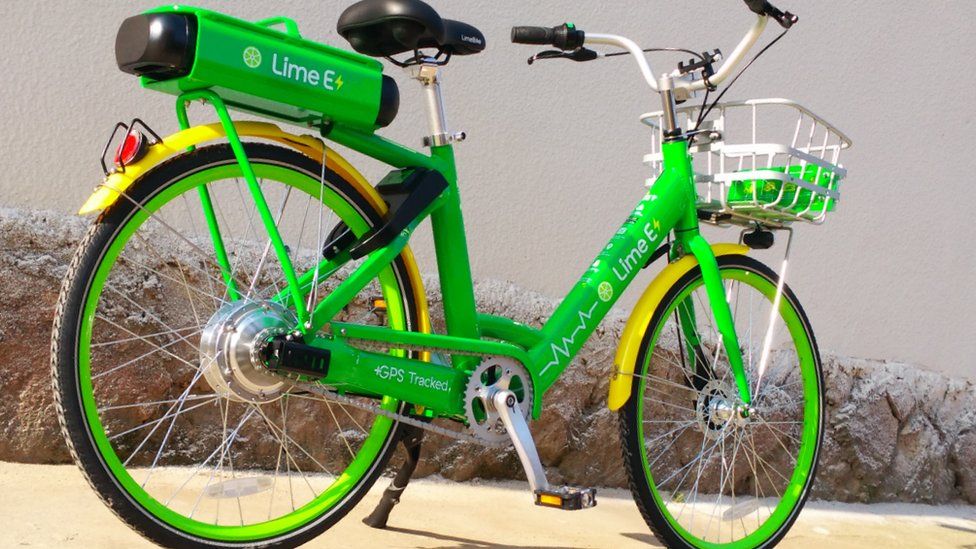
(609, 275)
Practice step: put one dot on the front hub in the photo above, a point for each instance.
(231, 350)
(719, 408)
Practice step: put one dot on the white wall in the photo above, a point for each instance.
(553, 161)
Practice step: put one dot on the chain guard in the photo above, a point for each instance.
(475, 433)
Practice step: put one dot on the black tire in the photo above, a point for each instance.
(67, 323)
(632, 437)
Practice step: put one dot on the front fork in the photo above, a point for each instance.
(719, 302)
(691, 241)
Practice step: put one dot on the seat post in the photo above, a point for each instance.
(427, 74)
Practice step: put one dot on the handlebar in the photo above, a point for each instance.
(568, 37)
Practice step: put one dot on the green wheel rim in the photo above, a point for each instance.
(371, 448)
(806, 458)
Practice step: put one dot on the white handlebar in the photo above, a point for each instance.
(720, 76)
(632, 47)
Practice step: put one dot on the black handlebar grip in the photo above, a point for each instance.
(532, 35)
(565, 37)
(763, 7)
(757, 6)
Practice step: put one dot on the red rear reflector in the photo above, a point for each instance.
(132, 149)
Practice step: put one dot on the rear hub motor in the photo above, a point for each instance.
(232, 345)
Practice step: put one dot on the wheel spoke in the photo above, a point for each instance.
(709, 493)
(219, 440)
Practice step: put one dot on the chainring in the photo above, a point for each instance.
(492, 375)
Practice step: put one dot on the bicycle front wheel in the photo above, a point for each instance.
(704, 469)
(188, 443)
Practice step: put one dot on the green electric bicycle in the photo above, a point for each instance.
(243, 339)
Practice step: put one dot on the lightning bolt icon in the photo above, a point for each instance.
(657, 225)
(339, 83)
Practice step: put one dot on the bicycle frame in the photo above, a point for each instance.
(668, 206)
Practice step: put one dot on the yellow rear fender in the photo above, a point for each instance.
(109, 191)
(633, 334)
(117, 183)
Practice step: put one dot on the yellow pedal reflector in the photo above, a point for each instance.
(567, 498)
(379, 304)
(550, 500)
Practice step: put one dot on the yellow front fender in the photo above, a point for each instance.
(110, 190)
(633, 334)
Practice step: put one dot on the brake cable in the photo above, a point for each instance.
(583, 54)
(704, 112)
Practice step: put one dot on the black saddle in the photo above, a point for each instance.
(383, 28)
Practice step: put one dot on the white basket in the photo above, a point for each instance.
(764, 160)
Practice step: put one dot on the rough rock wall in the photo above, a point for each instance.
(894, 433)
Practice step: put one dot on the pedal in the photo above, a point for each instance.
(567, 498)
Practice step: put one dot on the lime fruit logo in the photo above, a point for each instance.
(252, 57)
(605, 291)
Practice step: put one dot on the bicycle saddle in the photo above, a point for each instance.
(382, 28)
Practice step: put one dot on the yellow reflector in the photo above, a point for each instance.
(554, 501)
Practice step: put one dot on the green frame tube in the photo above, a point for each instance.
(267, 218)
(668, 206)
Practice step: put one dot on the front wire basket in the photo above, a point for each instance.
(746, 177)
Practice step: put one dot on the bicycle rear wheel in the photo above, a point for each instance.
(187, 447)
(704, 470)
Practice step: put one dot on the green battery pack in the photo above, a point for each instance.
(256, 67)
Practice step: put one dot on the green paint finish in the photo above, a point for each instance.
(453, 264)
(461, 344)
(425, 384)
(258, 69)
(342, 294)
(254, 187)
(805, 458)
(617, 265)
(505, 329)
(723, 312)
(220, 252)
(368, 452)
(669, 205)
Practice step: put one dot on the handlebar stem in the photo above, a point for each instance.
(670, 127)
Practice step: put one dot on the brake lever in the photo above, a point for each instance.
(579, 55)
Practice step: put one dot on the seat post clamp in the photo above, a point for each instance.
(442, 139)
(425, 72)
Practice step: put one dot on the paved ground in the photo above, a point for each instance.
(52, 506)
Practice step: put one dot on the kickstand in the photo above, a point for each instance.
(411, 439)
